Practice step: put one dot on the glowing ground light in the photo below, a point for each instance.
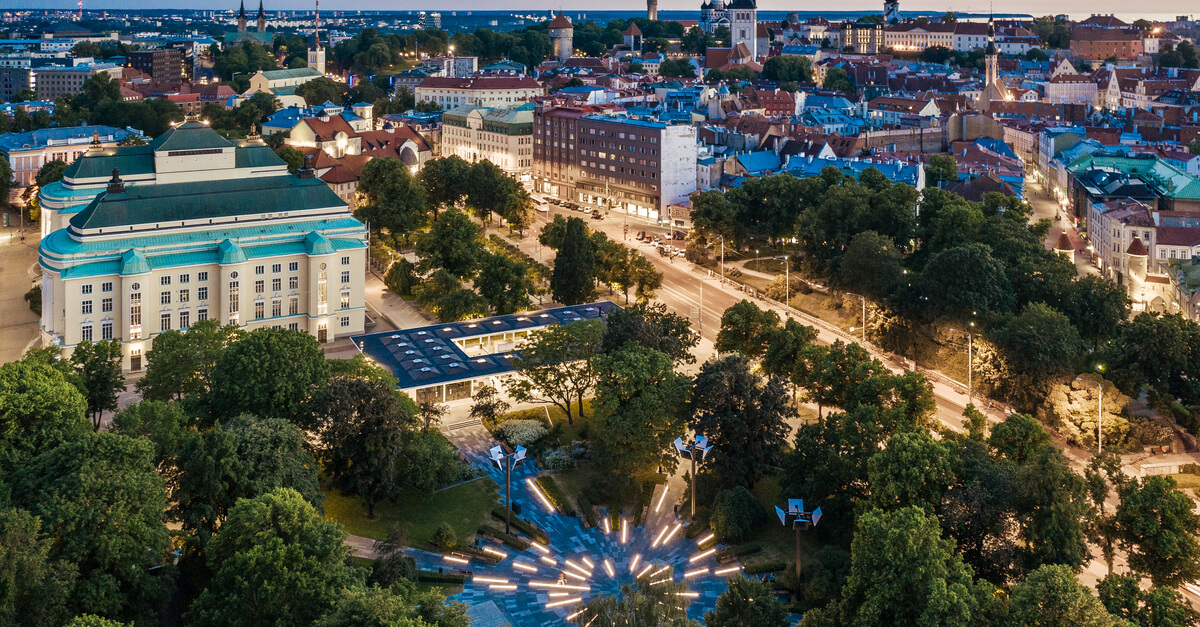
(529, 568)
(577, 567)
(573, 616)
(690, 595)
(607, 525)
(624, 531)
(488, 579)
(633, 565)
(502, 586)
(589, 563)
(705, 539)
(658, 539)
(456, 560)
(541, 497)
(644, 571)
(700, 556)
(538, 545)
(655, 583)
(563, 602)
(726, 571)
(672, 534)
(608, 568)
(660, 500)
(574, 576)
(550, 561)
(490, 551)
(693, 573)
(660, 571)
(552, 585)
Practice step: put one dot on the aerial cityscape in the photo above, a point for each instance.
(725, 315)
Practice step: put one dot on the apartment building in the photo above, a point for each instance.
(503, 136)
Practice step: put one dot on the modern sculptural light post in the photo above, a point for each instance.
(697, 451)
(506, 463)
(801, 521)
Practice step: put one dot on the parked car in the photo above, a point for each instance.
(596, 215)
(640, 236)
(679, 235)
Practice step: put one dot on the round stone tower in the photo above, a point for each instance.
(561, 35)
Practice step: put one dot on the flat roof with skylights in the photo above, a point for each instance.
(442, 362)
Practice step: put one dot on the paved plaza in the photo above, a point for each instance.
(574, 568)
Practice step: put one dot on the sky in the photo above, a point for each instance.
(1162, 9)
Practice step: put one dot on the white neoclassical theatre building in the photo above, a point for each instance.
(143, 239)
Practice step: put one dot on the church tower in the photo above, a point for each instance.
(262, 19)
(242, 18)
(743, 25)
(316, 54)
(991, 56)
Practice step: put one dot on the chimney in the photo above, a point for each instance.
(116, 185)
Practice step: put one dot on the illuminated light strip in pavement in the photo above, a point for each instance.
(542, 497)
(700, 556)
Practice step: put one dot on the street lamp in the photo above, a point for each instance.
(506, 463)
(970, 364)
(697, 451)
(801, 521)
(1099, 410)
(864, 314)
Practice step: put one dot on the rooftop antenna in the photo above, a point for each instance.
(317, 27)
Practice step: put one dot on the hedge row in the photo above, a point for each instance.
(742, 550)
(429, 576)
(511, 541)
(555, 494)
(588, 513)
(522, 525)
(769, 567)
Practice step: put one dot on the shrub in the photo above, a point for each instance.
(588, 514)
(444, 536)
(1190, 469)
(510, 541)
(558, 459)
(522, 432)
(769, 567)
(432, 577)
(522, 525)
(555, 494)
(393, 568)
(401, 278)
(34, 298)
(734, 514)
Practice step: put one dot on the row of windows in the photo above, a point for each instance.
(294, 266)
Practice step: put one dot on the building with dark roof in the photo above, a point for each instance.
(192, 227)
(451, 361)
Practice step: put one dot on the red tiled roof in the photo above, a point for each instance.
(327, 129)
(1136, 247)
(561, 21)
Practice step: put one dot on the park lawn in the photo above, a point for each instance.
(1188, 483)
(464, 506)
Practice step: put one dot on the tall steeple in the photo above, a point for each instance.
(316, 54)
(991, 55)
(262, 18)
(242, 18)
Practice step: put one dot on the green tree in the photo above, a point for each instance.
(208, 481)
(1097, 307)
(941, 170)
(446, 181)
(1019, 438)
(390, 197)
(1052, 504)
(504, 283)
(1160, 352)
(181, 364)
(164, 424)
(574, 276)
(677, 68)
(91, 620)
(1157, 527)
(463, 304)
(965, 281)
(294, 158)
(872, 265)
(400, 605)
(321, 90)
(362, 427)
(34, 587)
(274, 454)
(836, 79)
(636, 410)
(429, 462)
(735, 513)
(1051, 595)
(99, 369)
(103, 502)
(788, 68)
(747, 602)
(904, 573)
(276, 562)
(39, 410)
(401, 277)
(1039, 341)
(51, 172)
(745, 329)
(452, 244)
(639, 603)
(744, 416)
(557, 365)
(1158, 607)
(653, 326)
(914, 470)
(270, 373)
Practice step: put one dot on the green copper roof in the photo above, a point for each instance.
(190, 136)
(130, 160)
(256, 157)
(176, 202)
(282, 75)
(229, 253)
(134, 262)
(317, 244)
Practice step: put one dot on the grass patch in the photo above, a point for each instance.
(561, 433)
(550, 487)
(464, 506)
(1188, 482)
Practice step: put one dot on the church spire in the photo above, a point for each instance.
(262, 18)
(242, 18)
